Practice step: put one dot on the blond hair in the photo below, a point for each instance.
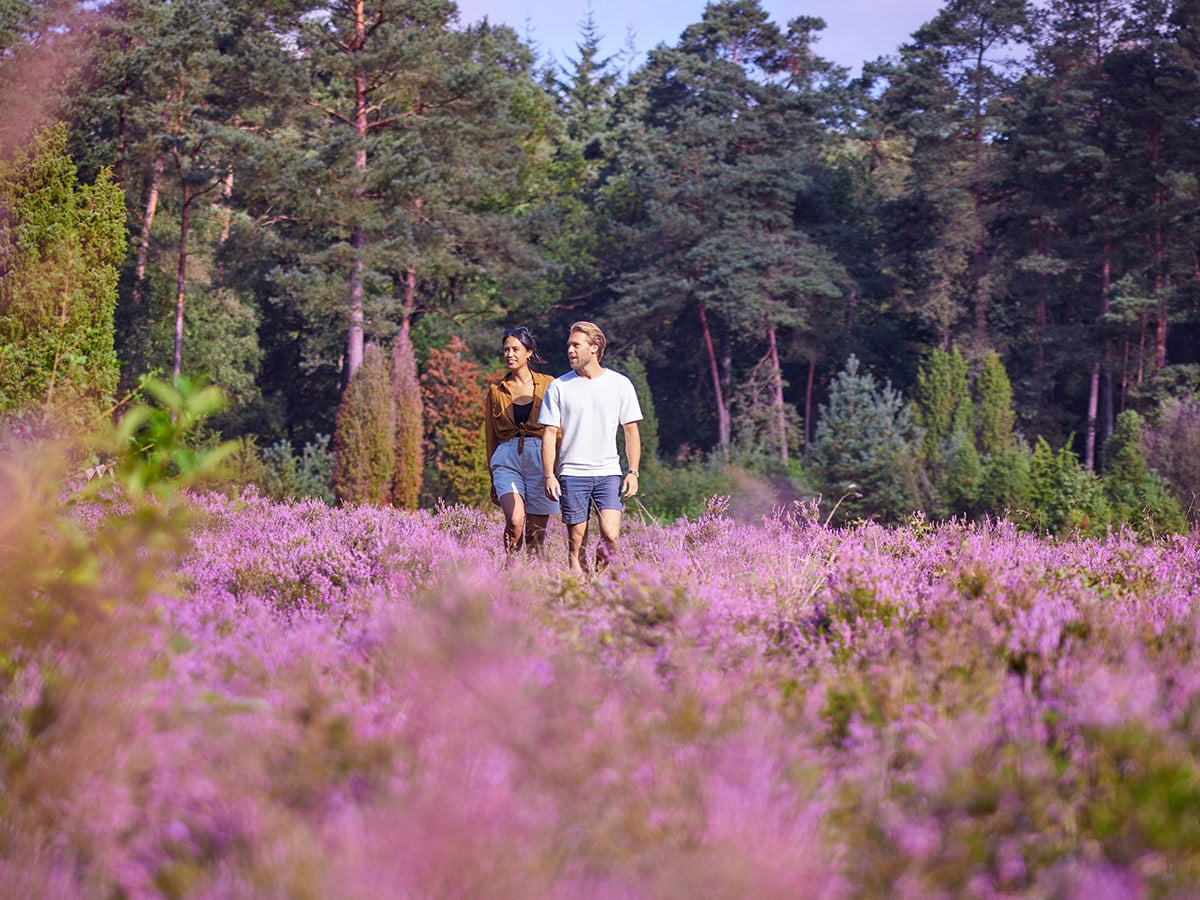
(594, 335)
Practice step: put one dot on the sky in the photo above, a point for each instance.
(856, 30)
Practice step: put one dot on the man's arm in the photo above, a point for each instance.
(549, 456)
(633, 455)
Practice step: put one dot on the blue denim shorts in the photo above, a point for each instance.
(521, 473)
(580, 491)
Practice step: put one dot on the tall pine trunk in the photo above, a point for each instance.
(355, 332)
(143, 254)
(1089, 457)
(808, 406)
(724, 423)
(777, 392)
(181, 274)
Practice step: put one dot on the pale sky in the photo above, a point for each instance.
(855, 30)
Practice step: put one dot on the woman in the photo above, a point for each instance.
(514, 444)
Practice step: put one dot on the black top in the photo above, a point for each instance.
(521, 412)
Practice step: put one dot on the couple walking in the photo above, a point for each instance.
(552, 444)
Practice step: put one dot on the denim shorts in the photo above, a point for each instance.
(521, 473)
(579, 491)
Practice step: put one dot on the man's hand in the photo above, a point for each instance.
(553, 488)
(629, 486)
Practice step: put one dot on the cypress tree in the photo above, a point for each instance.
(365, 457)
(943, 410)
(410, 424)
(633, 369)
(995, 411)
(943, 399)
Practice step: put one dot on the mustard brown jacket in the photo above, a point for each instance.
(499, 424)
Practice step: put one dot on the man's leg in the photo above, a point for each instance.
(576, 542)
(610, 535)
(535, 533)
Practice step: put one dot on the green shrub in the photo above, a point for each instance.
(682, 490)
(1063, 498)
(1138, 497)
(287, 476)
(1005, 481)
(60, 245)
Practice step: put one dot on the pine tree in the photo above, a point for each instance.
(716, 158)
(945, 95)
(867, 449)
(364, 448)
(416, 146)
(60, 244)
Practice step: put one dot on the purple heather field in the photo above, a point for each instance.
(298, 701)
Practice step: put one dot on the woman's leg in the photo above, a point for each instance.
(514, 521)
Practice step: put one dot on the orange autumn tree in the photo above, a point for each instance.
(456, 466)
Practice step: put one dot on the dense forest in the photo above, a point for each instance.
(965, 281)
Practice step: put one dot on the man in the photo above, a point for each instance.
(585, 407)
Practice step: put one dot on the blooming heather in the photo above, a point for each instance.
(366, 702)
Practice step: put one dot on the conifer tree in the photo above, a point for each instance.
(945, 95)
(364, 449)
(633, 368)
(714, 167)
(1005, 459)
(416, 139)
(410, 424)
(943, 400)
(60, 244)
(452, 388)
(942, 408)
(1138, 497)
(867, 449)
(995, 414)
(1064, 499)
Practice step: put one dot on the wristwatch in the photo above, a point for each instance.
(633, 471)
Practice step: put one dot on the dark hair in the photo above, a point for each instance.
(525, 336)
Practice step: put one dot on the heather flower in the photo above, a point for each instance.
(366, 702)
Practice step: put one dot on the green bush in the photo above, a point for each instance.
(682, 490)
(1138, 497)
(1005, 482)
(60, 245)
(1063, 498)
(287, 476)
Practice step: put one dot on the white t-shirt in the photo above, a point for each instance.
(588, 412)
